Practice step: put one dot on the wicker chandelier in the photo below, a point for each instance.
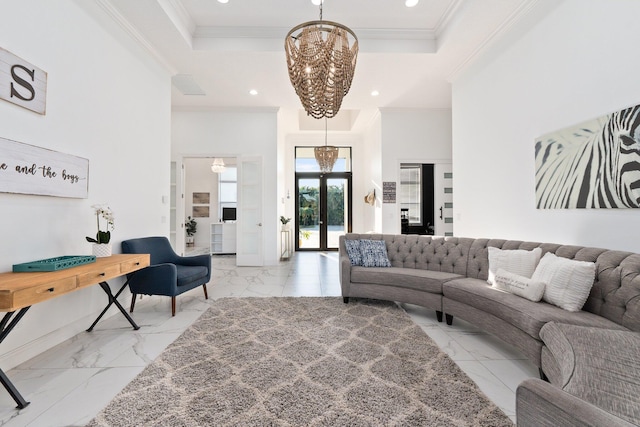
(321, 64)
(326, 155)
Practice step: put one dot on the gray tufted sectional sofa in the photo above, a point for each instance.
(590, 359)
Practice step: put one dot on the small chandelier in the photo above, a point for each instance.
(321, 64)
(326, 155)
(218, 165)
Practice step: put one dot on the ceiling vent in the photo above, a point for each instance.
(186, 84)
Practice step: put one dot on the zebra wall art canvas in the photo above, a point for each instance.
(595, 164)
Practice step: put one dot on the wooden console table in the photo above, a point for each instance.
(19, 291)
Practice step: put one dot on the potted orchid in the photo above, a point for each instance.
(101, 243)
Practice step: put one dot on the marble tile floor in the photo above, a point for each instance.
(70, 383)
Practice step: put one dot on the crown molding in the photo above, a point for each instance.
(281, 33)
(181, 19)
(218, 109)
(132, 32)
(263, 39)
(523, 10)
(446, 18)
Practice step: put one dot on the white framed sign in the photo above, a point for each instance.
(22, 83)
(27, 169)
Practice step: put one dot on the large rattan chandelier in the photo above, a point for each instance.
(321, 64)
(326, 155)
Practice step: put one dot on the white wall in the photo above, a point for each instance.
(370, 174)
(106, 102)
(411, 135)
(575, 64)
(235, 133)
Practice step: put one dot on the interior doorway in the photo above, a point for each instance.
(323, 209)
(205, 199)
(323, 203)
(426, 198)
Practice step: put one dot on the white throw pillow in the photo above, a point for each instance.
(519, 285)
(518, 261)
(568, 282)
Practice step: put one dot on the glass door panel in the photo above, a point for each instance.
(323, 210)
(308, 213)
(337, 210)
(444, 199)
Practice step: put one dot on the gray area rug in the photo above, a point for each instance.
(302, 362)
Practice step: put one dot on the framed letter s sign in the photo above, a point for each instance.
(22, 83)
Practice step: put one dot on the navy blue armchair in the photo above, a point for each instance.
(168, 274)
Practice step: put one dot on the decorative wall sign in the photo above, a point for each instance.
(200, 198)
(27, 169)
(22, 83)
(595, 164)
(388, 192)
(201, 211)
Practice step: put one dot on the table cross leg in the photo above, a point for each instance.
(113, 299)
(4, 331)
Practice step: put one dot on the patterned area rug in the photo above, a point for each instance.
(302, 362)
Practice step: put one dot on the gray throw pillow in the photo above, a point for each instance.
(374, 253)
(353, 250)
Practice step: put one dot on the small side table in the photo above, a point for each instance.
(285, 244)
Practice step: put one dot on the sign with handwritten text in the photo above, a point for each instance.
(22, 83)
(27, 169)
(388, 192)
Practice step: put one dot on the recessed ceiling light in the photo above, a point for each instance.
(253, 92)
(223, 1)
(375, 93)
(317, 2)
(408, 3)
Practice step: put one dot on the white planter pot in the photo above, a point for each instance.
(101, 249)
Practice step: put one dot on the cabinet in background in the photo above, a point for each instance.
(223, 238)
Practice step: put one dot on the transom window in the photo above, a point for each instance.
(306, 161)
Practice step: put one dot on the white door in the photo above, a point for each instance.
(249, 218)
(177, 206)
(443, 195)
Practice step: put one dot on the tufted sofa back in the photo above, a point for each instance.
(615, 294)
(449, 255)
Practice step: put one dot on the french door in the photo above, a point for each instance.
(249, 220)
(323, 209)
(443, 195)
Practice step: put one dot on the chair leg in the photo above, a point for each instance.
(133, 302)
(205, 291)
(173, 306)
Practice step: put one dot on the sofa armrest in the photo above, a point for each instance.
(159, 279)
(540, 404)
(344, 267)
